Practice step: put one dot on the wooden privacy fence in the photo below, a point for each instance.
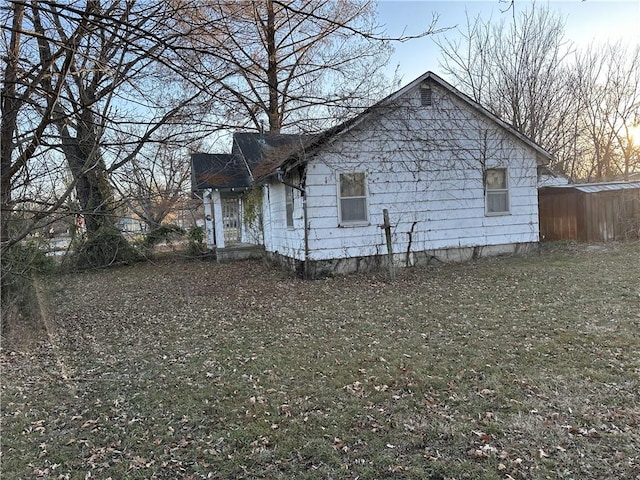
(597, 212)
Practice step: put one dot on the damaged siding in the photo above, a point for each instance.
(279, 238)
(430, 181)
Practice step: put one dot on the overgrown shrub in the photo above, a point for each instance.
(197, 246)
(164, 233)
(19, 266)
(252, 214)
(252, 208)
(104, 248)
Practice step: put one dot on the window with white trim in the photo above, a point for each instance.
(497, 191)
(288, 193)
(353, 198)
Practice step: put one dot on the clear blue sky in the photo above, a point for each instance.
(586, 21)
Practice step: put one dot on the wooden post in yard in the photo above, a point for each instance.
(387, 234)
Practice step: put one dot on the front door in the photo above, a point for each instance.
(231, 220)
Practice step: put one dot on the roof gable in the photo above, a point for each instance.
(542, 155)
(435, 79)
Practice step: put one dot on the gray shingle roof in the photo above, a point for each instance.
(253, 155)
(221, 171)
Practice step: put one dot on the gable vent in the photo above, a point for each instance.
(426, 99)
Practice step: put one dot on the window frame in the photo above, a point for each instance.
(289, 205)
(492, 192)
(365, 198)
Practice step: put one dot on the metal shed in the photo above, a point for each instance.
(590, 212)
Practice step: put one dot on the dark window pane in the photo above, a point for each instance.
(289, 205)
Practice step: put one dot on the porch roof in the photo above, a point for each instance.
(221, 171)
(253, 155)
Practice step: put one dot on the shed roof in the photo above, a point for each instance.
(595, 187)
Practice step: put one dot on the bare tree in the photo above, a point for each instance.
(580, 106)
(153, 184)
(515, 69)
(92, 83)
(607, 88)
(85, 86)
(302, 65)
(29, 165)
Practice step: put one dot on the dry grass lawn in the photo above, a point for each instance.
(512, 368)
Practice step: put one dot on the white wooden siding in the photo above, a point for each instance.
(425, 166)
(284, 240)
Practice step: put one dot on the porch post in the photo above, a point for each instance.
(217, 218)
(208, 220)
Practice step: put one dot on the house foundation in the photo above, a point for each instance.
(342, 266)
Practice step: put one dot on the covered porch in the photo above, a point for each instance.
(222, 219)
(225, 184)
(221, 182)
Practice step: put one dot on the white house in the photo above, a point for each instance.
(455, 181)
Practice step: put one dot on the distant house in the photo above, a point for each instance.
(130, 223)
(590, 212)
(456, 181)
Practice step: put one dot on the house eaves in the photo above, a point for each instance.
(542, 156)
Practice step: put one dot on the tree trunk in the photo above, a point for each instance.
(88, 169)
(105, 244)
(10, 105)
(275, 122)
